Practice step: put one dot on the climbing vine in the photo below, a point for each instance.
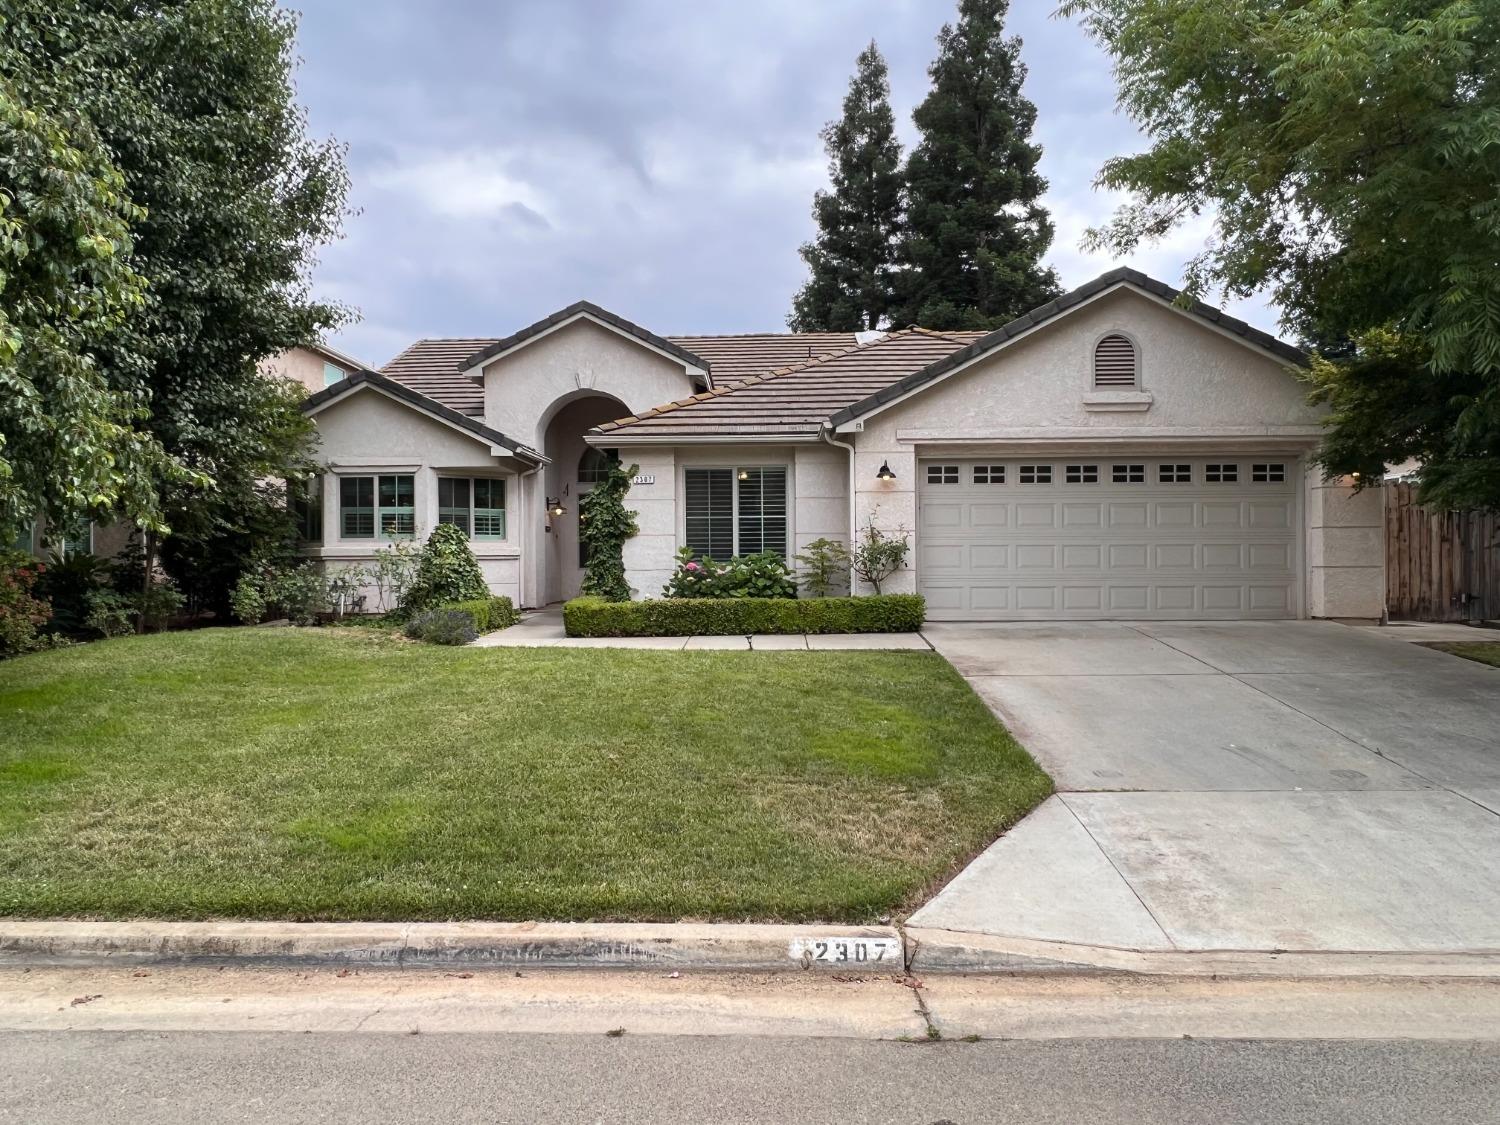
(603, 527)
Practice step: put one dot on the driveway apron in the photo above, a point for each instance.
(1239, 786)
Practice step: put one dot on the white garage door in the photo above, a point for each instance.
(1117, 537)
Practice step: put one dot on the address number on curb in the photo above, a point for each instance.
(846, 951)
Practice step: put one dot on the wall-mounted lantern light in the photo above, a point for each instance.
(555, 506)
(885, 472)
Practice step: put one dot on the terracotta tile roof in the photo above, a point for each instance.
(433, 367)
(795, 400)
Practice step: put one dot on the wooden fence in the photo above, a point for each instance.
(1439, 566)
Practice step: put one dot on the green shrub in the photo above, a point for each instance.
(764, 575)
(603, 526)
(824, 568)
(446, 572)
(267, 590)
(682, 617)
(444, 626)
(458, 623)
(21, 613)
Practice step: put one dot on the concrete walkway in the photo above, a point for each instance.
(544, 629)
(1239, 786)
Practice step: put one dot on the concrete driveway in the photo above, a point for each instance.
(1248, 786)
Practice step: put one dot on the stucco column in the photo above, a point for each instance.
(1345, 549)
(892, 504)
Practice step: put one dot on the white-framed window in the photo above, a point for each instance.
(1221, 473)
(1273, 472)
(76, 539)
(1035, 474)
(1128, 474)
(378, 507)
(594, 465)
(1116, 363)
(989, 474)
(1174, 474)
(474, 504)
(332, 373)
(942, 474)
(735, 511)
(1081, 474)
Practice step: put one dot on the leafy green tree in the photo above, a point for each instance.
(194, 102)
(604, 524)
(1349, 154)
(68, 444)
(976, 231)
(852, 260)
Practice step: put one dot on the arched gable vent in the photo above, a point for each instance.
(1115, 362)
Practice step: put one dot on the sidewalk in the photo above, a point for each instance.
(544, 629)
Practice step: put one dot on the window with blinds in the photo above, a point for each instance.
(730, 512)
(762, 511)
(1114, 362)
(709, 507)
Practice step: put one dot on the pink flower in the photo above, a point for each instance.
(692, 566)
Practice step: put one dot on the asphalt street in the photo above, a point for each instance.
(177, 1078)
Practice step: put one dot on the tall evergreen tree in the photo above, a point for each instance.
(853, 257)
(976, 233)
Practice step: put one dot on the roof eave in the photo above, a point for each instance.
(595, 313)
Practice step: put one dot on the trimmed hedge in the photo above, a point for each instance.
(733, 617)
(458, 623)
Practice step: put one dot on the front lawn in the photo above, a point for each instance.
(1486, 652)
(330, 774)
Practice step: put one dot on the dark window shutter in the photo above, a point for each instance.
(710, 511)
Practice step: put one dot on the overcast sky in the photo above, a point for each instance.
(657, 157)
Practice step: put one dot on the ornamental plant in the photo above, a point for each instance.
(603, 526)
(825, 567)
(879, 554)
(763, 575)
(21, 614)
(446, 572)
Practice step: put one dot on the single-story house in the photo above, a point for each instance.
(1111, 454)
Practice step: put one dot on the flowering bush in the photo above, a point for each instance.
(21, 614)
(745, 576)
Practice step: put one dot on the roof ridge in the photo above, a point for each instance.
(753, 380)
(747, 335)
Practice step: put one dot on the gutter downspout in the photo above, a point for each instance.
(825, 431)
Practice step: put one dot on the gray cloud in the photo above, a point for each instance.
(657, 157)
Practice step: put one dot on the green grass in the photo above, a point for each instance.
(339, 774)
(1486, 652)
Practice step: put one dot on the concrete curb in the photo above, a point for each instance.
(540, 945)
(930, 950)
(584, 945)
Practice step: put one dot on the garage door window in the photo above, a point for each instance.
(1221, 474)
(989, 474)
(1128, 474)
(1174, 474)
(1268, 474)
(942, 474)
(1036, 474)
(735, 511)
(1082, 474)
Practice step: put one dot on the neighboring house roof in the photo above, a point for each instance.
(795, 400)
(348, 362)
(1050, 311)
(374, 380)
(435, 367)
(585, 310)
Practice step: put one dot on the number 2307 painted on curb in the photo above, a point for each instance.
(845, 951)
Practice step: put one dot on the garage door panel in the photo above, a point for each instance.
(1163, 537)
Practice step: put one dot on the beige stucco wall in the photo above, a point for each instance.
(1345, 550)
(369, 434)
(301, 366)
(522, 390)
(1204, 387)
(648, 555)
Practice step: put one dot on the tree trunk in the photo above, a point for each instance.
(150, 565)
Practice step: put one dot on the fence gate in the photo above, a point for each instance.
(1439, 566)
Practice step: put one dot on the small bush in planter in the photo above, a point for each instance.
(763, 575)
(446, 572)
(442, 627)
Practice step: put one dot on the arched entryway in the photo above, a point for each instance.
(573, 471)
